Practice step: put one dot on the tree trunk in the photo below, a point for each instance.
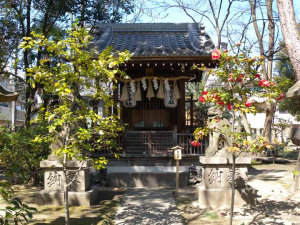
(267, 73)
(232, 189)
(290, 33)
(291, 36)
(233, 164)
(267, 132)
(66, 192)
(246, 125)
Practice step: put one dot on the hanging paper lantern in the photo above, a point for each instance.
(169, 100)
(131, 98)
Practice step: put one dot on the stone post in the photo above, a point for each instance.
(80, 192)
(215, 190)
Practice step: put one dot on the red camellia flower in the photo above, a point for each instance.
(221, 103)
(257, 76)
(201, 99)
(215, 96)
(238, 79)
(229, 107)
(264, 83)
(238, 44)
(228, 58)
(242, 75)
(204, 92)
(195, 143)
(225, 51)
(249, 103)
(281, 97)
(216, 54)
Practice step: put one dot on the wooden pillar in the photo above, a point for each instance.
(175, 135)
(181, 106)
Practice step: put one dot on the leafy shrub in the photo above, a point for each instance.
(17, 211)
(21, 155)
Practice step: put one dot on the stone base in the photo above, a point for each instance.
(221, 198)
(147, 179)
(86, 198)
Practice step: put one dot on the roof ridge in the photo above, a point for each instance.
(147, 26)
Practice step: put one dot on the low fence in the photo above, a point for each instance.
(154, 143)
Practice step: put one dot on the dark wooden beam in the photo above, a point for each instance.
(181, 106)
(115, 99)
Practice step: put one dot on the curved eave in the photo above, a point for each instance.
(169, 58)
(9, 97)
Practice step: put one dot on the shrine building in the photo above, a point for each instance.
(155, 102)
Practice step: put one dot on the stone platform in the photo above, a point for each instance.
(147, 179)
(215, 190)
(80, 192)
(86, 198)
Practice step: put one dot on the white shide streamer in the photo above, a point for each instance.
(144, 83)
(167, 85)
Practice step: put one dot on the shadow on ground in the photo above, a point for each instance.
(265, 174)
(132, 214)
(79, 221)
(267, 212)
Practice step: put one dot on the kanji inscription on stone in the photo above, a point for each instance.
(215, 176)
(237, 175)
(71, 175)
(54, 179)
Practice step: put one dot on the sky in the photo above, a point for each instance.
(177, 16)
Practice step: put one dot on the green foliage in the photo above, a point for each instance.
(285, 80)
(77, 68)
(103, 11)
(20, 155)
(212, 215)
(241, 87)
(17, 211)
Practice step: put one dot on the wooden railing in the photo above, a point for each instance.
(155, 143)
(184, 140)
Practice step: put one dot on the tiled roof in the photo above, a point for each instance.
(154, 39)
